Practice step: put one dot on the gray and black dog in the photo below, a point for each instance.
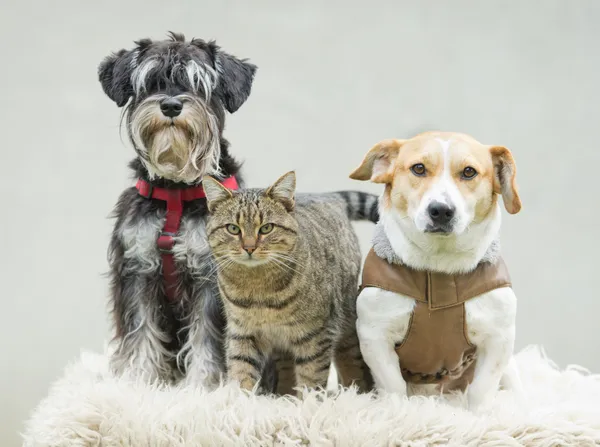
(175, 94)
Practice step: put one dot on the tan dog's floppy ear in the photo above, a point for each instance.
(215, 192)
(505, 178)
(284, 190)
(378, 162)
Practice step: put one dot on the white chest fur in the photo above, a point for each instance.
(191, 245)
(140, 243)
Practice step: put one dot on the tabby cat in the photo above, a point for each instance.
(287, 270)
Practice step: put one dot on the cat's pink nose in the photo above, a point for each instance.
(250, 249)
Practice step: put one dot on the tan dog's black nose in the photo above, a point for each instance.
(440, 213)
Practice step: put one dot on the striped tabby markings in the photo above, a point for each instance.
(313, 371)
(308, 337)
(246, 364)
(247, 304)
(314, 357)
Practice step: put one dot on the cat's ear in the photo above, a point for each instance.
(284, 190)
(215, 192)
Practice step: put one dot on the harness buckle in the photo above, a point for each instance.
(166, 242)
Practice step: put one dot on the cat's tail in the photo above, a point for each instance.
(360, 205)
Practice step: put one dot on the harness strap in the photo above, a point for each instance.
(166, 240)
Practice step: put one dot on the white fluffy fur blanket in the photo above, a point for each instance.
(89, 407)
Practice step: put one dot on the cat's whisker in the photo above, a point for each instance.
(283, 264)
(284, 256)
(292, 261)
(209, 264)
(280, 264)
(220, 262)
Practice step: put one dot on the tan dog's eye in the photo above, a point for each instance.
(233, 229)
(468, 173)
(418, 169)
(266, 229)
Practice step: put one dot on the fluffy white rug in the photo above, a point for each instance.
(89, 407)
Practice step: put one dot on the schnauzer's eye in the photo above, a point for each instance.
(468, 173)
(233, 229)
(418, 169)
(266, 228)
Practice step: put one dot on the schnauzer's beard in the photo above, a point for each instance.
(182, 149)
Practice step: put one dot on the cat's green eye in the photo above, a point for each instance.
(233, 229)
(266, 228)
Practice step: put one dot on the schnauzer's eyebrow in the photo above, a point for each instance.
(201, 74)
(141, 72)
(196, 74)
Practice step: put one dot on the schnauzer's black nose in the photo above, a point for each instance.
(440, 213)
(171, 107)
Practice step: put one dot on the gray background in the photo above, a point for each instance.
(334, 78)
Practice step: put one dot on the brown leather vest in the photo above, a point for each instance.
(436, 348)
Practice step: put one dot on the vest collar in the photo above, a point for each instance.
(436, 290)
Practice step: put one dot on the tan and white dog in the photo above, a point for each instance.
(440, 213)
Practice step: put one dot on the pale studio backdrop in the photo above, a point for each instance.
(334, 78)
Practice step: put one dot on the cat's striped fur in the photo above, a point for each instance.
(289, 289)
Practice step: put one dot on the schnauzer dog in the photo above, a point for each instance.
(165, 303)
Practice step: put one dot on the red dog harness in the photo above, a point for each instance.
(166, 241)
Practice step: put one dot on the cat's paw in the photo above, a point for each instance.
(248, 384)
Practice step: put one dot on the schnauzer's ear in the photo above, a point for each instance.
(284, 190)
(215, 192)
(235, 80)
(114, 73)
